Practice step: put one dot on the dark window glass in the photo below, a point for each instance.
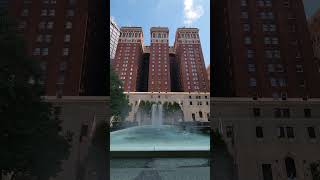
(229, 131)
(307, 113)
(259, 132)
(277, 113)
(256, 112)
(190, 102)
(286, 113)
(290, 132)
(311, 132)
(267, 172)
(281, 133)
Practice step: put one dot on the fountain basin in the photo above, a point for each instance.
(164, 138)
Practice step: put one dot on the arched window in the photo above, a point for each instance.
(290, 167)
(136, 34)
(159, 35)
(200, 114)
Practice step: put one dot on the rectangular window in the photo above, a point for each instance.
(307, 113)
(259, 132)
(311, 132)
(65, 52)
(229, 130)
(256, 112)
(267, 172)
(290, 132)
(281, 133)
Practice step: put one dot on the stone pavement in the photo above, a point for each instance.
(160, 169)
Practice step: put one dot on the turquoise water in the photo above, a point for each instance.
(165, 138)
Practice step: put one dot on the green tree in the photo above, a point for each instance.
(119, 104)
(32, 144)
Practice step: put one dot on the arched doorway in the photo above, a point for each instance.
(290, 168)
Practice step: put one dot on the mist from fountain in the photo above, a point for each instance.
(157, 115)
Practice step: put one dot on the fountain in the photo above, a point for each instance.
(156, 116)
(157, 137)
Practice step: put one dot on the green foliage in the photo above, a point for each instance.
(119, 102)
(171, 108)
(315, 170)
(30, 134)
(145, 106)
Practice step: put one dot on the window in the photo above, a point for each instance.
(229, 131)
(244, 15)
(45, 52)
(50, 25)
(311, 132)
(190, 102)
(247, 40)
(65, 52)
(200, 114)
(36, 52)
(251, 68)
(267, 172)
(68, 25)
(307, 113)
(67, 38)
(52, 12)
(281, 133)
(299, 68)
(44, 12)
(48, 38)
(273, 82)
(281, 112)
(256, 112)
(253, 82)
(259, 132)
(290, 132)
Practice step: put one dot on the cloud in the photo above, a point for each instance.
(192, 12)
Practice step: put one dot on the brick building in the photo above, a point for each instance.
(263, 49)
(179, 68)
(128, 60)
(159, 66)
(62, 35)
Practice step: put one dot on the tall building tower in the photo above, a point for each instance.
(263, 49)
(192, 71)
(59, 33)
(128, 59)
(159, 66)
(114, 37)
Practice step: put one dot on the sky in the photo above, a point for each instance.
(168, 13)
(174, 14)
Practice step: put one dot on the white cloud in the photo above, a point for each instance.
(192, 12)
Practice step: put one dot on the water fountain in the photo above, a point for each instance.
(157, 116)
(157, 137)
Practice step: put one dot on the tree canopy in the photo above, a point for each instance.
(32, 144)
(119, 103)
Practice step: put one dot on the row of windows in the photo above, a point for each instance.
(199, 103)
(281, 112)
(45, 51)
(287, 132)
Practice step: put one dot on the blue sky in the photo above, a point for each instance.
(169, 13)
(174, 14)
